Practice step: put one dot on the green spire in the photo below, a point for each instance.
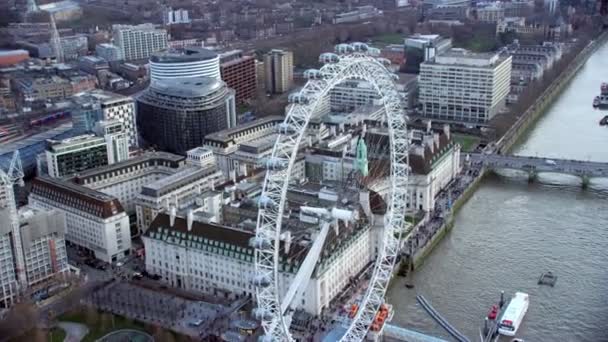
(361, 162)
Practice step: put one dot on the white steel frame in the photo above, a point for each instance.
(356, 65)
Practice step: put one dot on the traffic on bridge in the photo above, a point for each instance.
(534, 165)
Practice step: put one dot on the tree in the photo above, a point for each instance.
(21, 318)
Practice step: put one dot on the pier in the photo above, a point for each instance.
(442, 321)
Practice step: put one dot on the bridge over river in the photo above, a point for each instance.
(535, 165)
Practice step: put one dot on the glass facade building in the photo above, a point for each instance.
(174, 115)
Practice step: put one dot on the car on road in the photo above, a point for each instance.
(550, 162)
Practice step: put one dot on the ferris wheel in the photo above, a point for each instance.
(274, 304)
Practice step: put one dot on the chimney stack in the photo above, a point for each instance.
(173, 212)
(190, 219)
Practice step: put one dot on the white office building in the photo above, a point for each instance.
(464, 87)
(117, 140)
(126, 179)
(174, 192)
(139, 41)
(93, 220)
(218, 260)
(225, 143)
(178, 16)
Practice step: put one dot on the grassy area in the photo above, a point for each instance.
(389, 38)
(467, 142)
(100, 324)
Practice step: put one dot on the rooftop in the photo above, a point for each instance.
(148, 156)
(187, 87)
(228, 134)
(34, 139)
(59, 6)
(177, 180)
(456, 56)
(187, 54)
(93, 202)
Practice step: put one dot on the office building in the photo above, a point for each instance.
(358, 14)
(74, 47)
(464, 87)
(225, 143)
(124, 180)
(420, 48)
(238, 71)
(278, 67)
(491, 13)
(117, 140)
(115, 107)
(176, 114)
(174, 192)
(39, 245)
(109, 52)
(139, 41)
(30, 90)
(76, 154)
(215, 259)
(43, 244)
(93, 220)
(186, 62)
(178, 16)
(93, 65)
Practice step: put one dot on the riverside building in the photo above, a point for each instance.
(464, 87)
(218, 260)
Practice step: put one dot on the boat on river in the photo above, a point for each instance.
(514, 314)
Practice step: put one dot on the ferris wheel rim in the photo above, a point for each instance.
(276, 183)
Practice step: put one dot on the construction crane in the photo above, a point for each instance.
(8, 179)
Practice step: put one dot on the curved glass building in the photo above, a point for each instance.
(186, 62)
(174, 115)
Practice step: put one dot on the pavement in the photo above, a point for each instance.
(75, 332)
(424, 233)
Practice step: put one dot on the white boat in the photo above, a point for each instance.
(514, 314)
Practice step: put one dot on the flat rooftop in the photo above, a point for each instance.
(187, 87)
(226, 135)
(187, 54)
(177, 180)
(35, 139)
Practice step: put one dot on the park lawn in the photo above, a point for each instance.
(389, 38)
(98, 330)
(467, 142)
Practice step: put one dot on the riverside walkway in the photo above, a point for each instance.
(535, 165)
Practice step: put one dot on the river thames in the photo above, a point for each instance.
(510, 231)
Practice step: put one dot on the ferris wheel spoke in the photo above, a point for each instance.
(302, 278)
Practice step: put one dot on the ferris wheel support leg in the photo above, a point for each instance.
(302, 278)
